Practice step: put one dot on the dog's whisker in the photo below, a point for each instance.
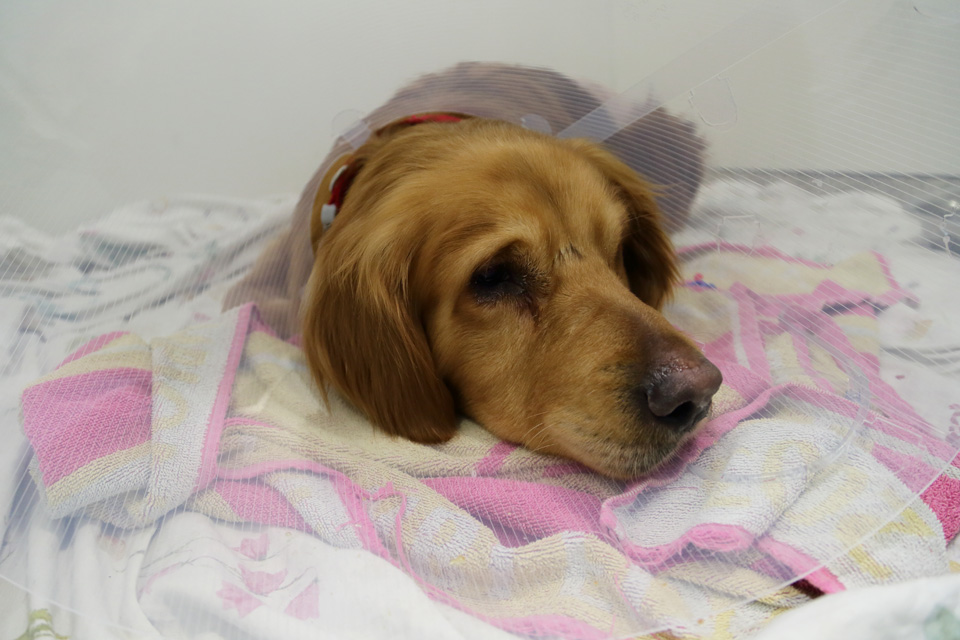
(540, 448)
(541, 426)
(531, 416)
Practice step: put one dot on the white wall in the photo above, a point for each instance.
(106, 101)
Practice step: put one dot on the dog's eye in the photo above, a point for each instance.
(495, 281)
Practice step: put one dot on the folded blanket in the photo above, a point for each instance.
(802, 470)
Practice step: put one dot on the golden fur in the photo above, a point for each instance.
(514, 277)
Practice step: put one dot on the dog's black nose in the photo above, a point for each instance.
(678, 392)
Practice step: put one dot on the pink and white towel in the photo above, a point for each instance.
(806, 461)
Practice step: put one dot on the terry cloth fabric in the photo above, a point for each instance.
(805, 459)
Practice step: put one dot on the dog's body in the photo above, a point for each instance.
(474, 265)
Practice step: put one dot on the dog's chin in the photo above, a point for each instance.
(629, 460)
(631, 464)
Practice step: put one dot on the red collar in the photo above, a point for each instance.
(344, 171)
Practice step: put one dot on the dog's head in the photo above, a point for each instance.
(515, 277)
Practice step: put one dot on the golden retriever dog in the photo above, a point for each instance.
(477, 267)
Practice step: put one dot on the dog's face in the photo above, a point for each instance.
(515, 277)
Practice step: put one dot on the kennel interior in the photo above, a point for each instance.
(168, 472)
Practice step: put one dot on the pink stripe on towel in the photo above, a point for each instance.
(73, 421)
(96, 344)
(218, 412)
(520, 505)
(254, 501)
(943, 497)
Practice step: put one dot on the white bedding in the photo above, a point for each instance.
(152, 268)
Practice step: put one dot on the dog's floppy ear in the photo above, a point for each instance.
(648, 254)
(363, 336)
